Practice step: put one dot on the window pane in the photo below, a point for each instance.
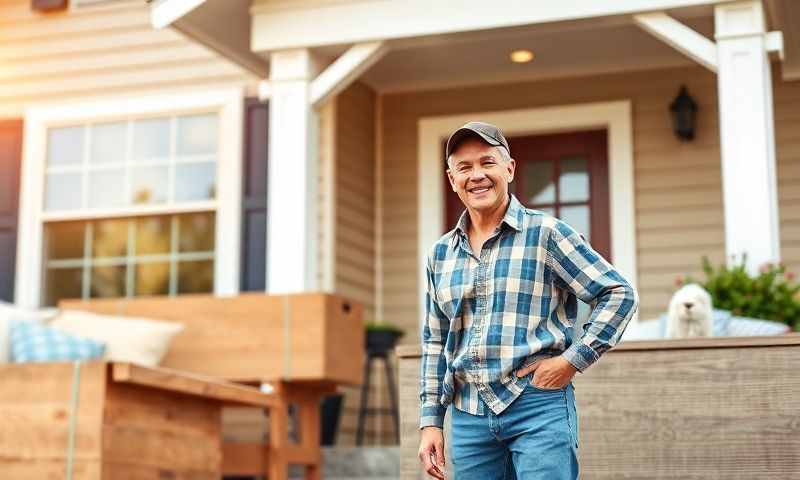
(574, 181)
(196, 276)
(151, 139)
(152, 279)
(539, 186)
(107, 188)
(110, 238)
(149, 185)
(108, 143)
(578, 218)
(196, 232)
(62, 283)
(195, 181)
(64, 191)
(64, 240)
(197, 134)
(65, 146)
(108, 281)
(548, 210)
(153, 235)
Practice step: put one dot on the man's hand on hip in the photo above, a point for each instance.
(550, 373)
(431, 451)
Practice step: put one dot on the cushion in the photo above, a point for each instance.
(127, 339)
(9, 313)
(32, 342)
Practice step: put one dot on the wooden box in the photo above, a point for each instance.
(254, 337)
(130, 422)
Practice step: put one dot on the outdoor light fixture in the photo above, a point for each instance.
(521, 56)
(684, 114)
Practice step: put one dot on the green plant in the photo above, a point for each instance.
(375, 326)
(771, 295)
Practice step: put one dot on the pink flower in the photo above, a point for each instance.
(679, 281)
(789, 276)
(765, 267)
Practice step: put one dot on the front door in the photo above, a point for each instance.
(564, 174)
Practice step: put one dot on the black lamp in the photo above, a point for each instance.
(684, 114)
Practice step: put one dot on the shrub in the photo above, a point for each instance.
(771, 295)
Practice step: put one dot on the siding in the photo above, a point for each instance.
(104, 50)
(787, 138)
(354, 249)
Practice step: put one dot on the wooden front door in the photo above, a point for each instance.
(564, 174)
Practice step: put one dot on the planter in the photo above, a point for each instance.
(381, 341)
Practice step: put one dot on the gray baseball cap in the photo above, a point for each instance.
(485, 131)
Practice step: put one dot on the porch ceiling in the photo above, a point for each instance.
(572, 48)
(784, 15)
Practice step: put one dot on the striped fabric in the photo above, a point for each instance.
(515, 303)
(32, 342)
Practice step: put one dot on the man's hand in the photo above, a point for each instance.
(431, 449)
(550, 373)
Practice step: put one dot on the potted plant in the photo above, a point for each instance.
(774, 294)
(381, 337)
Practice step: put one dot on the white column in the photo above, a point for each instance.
(292, 189)
(747, 135)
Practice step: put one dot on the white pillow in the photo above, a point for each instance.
(10, 312)
(127, 339)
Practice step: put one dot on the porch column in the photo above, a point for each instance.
(292, 174)
(747, 139)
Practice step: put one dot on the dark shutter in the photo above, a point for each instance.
(254, 196)
(48, 5)
(10, 161)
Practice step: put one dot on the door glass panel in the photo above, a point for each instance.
(539, 186)
(574, 180)
(578, 218)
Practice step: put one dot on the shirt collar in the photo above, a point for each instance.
(512, 218)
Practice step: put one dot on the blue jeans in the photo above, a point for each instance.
(535, 438)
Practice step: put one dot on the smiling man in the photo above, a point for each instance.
(497, 341)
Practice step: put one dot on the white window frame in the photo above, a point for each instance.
(227, 103)
(615, 116)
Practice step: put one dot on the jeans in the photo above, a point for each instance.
(534, 438)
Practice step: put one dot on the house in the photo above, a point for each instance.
(329, 119)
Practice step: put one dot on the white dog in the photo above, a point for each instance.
(690, 313)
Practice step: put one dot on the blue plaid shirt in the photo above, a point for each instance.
(515, 303)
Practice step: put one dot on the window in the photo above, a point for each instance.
(130, 197)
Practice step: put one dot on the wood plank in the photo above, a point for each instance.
(245, 458)
(190, 384)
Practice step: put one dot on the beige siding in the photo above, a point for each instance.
(787, 133)
(354, 228)
(665, 195)
(97, 51)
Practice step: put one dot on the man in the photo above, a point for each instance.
(497, 340)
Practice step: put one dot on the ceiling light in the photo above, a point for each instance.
(521, 56)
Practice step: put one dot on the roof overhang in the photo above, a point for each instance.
(221, 25)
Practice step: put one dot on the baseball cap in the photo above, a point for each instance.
(485, 131)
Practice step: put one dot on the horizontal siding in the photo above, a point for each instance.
(98, 51)
(787, 131)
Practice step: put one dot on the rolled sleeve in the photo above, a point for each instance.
(580, 269)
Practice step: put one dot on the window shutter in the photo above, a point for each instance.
(10, 161)
(254, 197)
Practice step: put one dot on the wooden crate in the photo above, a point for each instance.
(131, 422)
(714, 408)
(253, 337)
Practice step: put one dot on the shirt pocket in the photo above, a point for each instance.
(453, 288)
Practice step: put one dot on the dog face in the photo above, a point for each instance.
(691, 303)
(690, 312)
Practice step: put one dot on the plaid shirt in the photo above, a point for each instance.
(515, 303)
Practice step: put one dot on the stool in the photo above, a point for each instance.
(364, 410)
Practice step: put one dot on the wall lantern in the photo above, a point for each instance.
(684, 115)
